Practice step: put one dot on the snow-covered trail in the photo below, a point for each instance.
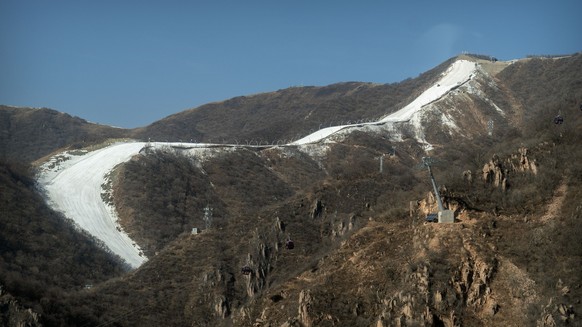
(76, 191)
(457, 74)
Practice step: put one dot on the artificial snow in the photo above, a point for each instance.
(74, 188)
(460, 72)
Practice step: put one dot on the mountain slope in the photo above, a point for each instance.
(354, 206)
(287, 114)
(359, 259)
(410, 261)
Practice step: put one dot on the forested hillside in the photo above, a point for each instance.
(288, 114)
(28, 134)
(43, 256)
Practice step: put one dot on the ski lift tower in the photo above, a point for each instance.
(444, 215)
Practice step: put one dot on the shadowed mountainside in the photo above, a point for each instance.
(42, 255)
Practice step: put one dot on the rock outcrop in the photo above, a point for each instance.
(305, 304)
(496, 171)
(436, 292)
(317, 209)
(520, 162)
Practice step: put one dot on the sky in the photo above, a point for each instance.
(128, 63)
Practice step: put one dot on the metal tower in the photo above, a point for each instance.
(444, 215)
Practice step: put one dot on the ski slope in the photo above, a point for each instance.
(460, 72)
(72, 183)
(74, 186)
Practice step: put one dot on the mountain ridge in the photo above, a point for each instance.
(85, 133)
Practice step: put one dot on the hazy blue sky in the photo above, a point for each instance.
(129, 63)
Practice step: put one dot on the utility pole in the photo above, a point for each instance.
(381, 164)
(391, 154)
(490, 127)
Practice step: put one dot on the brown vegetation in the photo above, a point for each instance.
(289, 113)
(28, 134)
(42, 255)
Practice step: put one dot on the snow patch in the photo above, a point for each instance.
(474, 89)
(416, 122)
(320, 134)
(314, 150)
(449, 122)
(499, 110)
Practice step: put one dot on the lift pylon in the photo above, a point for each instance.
(444, 215)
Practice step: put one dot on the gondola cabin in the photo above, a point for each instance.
(289, 245)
